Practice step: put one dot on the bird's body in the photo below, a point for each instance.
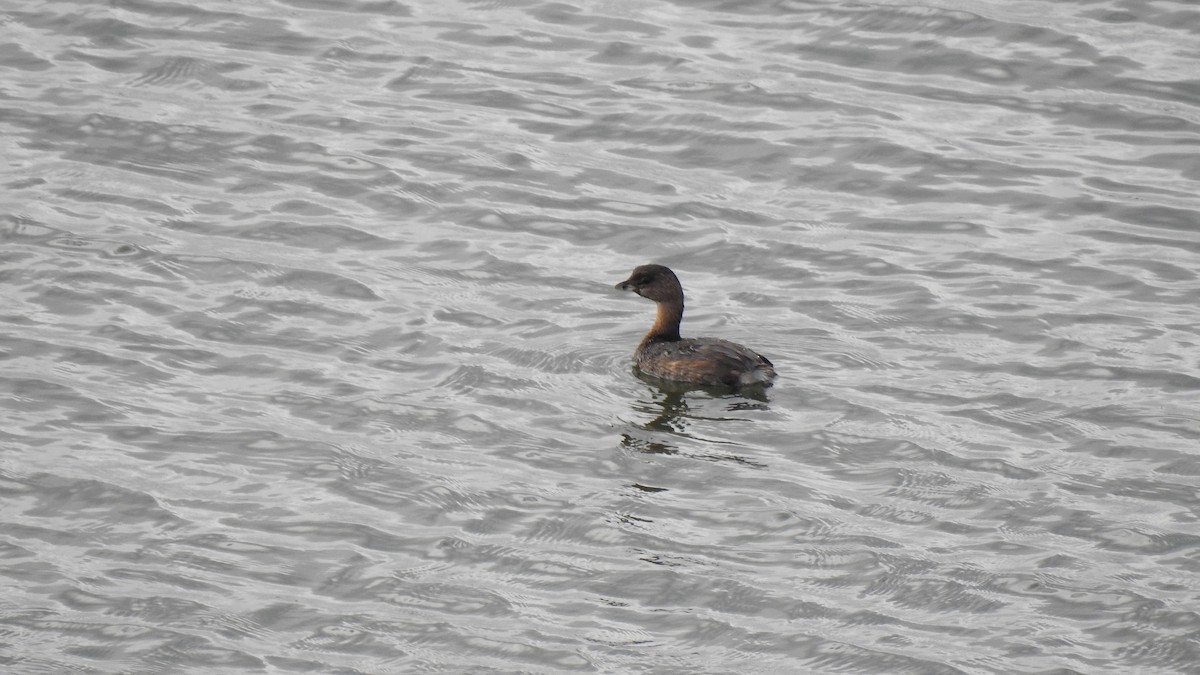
(703, 361)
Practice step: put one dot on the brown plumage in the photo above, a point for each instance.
(704, 361)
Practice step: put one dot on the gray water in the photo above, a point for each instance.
(312, 362)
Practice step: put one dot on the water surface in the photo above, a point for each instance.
(312, 360)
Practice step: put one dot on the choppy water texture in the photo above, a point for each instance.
(311, 359)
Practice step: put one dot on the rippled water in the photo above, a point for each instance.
(312, 360)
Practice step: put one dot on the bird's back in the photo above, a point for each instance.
(705, 361)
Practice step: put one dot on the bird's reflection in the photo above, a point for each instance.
(672, 415)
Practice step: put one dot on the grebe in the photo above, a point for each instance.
(703, 361)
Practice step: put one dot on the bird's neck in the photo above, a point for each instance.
(666, 322)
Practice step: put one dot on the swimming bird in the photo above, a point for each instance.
(703, 361)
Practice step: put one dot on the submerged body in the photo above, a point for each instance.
(704, 361)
